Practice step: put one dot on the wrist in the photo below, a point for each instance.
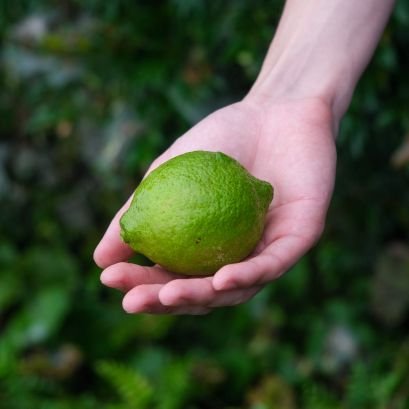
(296, 80)
(320, 50)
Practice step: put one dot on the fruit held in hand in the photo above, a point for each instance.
(196, 213)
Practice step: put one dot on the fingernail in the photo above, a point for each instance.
(107, 279)
(131, 306)
(104, 276)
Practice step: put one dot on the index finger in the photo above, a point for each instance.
(111, 249)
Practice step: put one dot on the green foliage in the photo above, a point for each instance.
(134, 390)
(168, 389)
(90, 93)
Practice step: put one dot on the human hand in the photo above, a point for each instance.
(288, 143)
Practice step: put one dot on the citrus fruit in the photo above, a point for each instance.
(196, 213)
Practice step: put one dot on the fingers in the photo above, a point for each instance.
(234, 297)
(145, 299)
(111, 249)
(125, 276)
(155, 291)
(196, 291)
(200, 291)
(180, 299)
(274, 260)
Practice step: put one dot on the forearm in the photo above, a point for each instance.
(321, 48)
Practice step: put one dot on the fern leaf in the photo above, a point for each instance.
(134, 389)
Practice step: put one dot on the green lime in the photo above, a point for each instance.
(196, 213)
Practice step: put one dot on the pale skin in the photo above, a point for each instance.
(283, 131)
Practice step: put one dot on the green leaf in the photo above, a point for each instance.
(133, 389)
(38, 319)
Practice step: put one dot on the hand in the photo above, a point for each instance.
(291, 145)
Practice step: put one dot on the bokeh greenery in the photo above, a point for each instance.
(90, 93)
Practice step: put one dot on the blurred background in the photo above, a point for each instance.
(90, 93)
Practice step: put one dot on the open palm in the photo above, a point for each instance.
(291, 145)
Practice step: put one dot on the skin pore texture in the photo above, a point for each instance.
(283, 132)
